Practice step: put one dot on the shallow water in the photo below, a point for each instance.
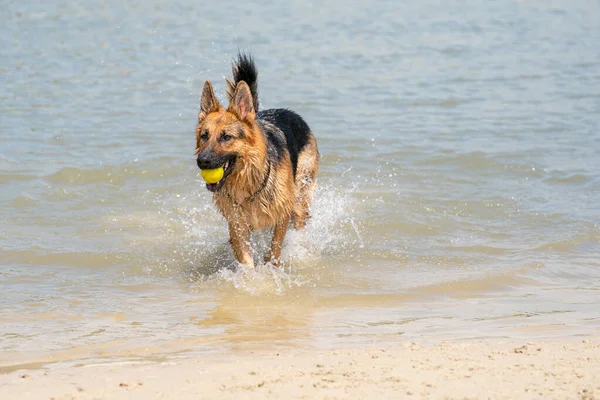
(458, 190)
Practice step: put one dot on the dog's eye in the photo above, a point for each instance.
(226, 137)
(204, 136)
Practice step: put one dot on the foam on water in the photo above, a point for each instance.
(193, 243)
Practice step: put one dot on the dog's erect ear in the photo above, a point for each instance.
(208, 101)
(241, 102)
(230, 89)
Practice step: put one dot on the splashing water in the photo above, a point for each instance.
(196, 247)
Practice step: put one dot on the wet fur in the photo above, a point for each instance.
(275, 167)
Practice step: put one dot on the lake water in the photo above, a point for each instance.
(458, 193)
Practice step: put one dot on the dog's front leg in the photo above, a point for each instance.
(240, 243)
(277, 241)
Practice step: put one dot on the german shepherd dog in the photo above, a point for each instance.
(270, 161)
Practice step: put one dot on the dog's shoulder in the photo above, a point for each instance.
(285, 130)
(275, 138)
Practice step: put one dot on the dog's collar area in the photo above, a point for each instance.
(262, 187)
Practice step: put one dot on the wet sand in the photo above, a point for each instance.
(568, 369)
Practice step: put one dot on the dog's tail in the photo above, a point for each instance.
(244, 70)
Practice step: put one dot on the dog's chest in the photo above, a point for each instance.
(259, 214)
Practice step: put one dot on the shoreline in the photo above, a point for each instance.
(568, 368)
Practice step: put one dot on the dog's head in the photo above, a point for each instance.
(225, 137)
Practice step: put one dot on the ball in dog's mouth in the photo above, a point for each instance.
(227, 167)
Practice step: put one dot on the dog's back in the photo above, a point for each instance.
(296, 130)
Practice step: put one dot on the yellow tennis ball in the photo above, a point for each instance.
(212, 175)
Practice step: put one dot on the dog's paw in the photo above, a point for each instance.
(273, 261)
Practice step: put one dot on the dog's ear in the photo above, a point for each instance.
(241, 102)
(208, 101)
(230, 89)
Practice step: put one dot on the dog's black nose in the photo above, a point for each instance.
(205, 160)
(203, 163)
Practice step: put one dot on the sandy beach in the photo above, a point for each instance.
(480, 370)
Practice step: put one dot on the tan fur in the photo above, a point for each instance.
(282, 198)
(306, 179)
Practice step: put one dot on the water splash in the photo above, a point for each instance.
(196, 247)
